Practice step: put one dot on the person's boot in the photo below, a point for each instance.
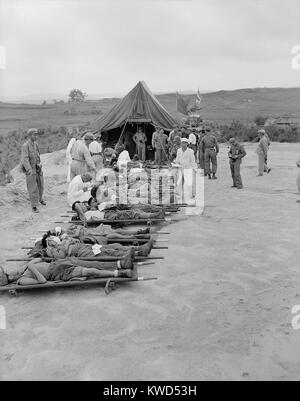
(145, 249)
(125, 273)
(214, 177)
(35, 210)
(42, 202)
(127, 262)
(144, 231)
(158, 215)
(209, 176)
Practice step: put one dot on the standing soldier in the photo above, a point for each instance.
(95, 149)
(262, 153)
(82, 161)
(31, 165)
(200, 150)
(140, 140)
(159, 143)
(236, 153)
(210, 148)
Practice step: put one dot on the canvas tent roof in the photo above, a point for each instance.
(138, 106)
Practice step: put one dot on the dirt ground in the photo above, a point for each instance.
(220, 309)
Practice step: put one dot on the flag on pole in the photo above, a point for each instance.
(182, 105)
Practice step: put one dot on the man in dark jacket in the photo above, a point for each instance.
(236, 153)
(31, 165)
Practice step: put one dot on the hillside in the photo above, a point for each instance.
(244, 104)
(222, 106)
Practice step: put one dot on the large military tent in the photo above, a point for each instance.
(138, 108)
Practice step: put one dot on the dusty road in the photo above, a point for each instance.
(221, 308)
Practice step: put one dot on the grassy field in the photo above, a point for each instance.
(222, 107)
(54, 119)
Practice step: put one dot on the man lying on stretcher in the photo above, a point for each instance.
(39, 272)
(92, 211)
(65, 247)
(100, 234)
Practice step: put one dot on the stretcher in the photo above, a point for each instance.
(135, 242)
(110, 284)
(111, 222)
(93, 259)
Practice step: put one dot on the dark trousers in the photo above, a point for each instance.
(235, 167)
(35, 188)
(210, 161)
(201, 159)
(160, 156)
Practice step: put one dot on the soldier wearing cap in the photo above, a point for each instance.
(200, 149)
(262, 152)
(31, 166)
(236, 154)
(210, 147)
(140, 140)
(95, 149)
(82, 161)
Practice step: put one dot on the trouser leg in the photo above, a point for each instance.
(237, 174)
(201, 159)
(159, 156)
(40, 184)
(261, 163)
(95, 264)
(207, 162)
(33, 190)
(232, 170)
(144, 153)
(214, 162)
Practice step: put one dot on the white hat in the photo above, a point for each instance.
(88, 136)
(184, 140)
(261, 131)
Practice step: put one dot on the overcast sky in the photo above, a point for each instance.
(106, 46)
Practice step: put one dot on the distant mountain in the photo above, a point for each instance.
(37, 98)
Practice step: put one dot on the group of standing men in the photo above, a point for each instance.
(86, 155)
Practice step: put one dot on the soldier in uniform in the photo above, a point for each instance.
(209, 145)
(159, 143)
(236, 153)
(140, 140)
(31, 166)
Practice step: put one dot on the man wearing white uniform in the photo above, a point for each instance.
(123, 158)
(186, 162)
(95, 149)
(69, 157)
(82, 161)
(79, 188)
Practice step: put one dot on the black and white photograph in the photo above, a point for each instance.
(149, 193)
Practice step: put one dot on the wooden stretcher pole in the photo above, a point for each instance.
(154, 247)
(94, 259)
